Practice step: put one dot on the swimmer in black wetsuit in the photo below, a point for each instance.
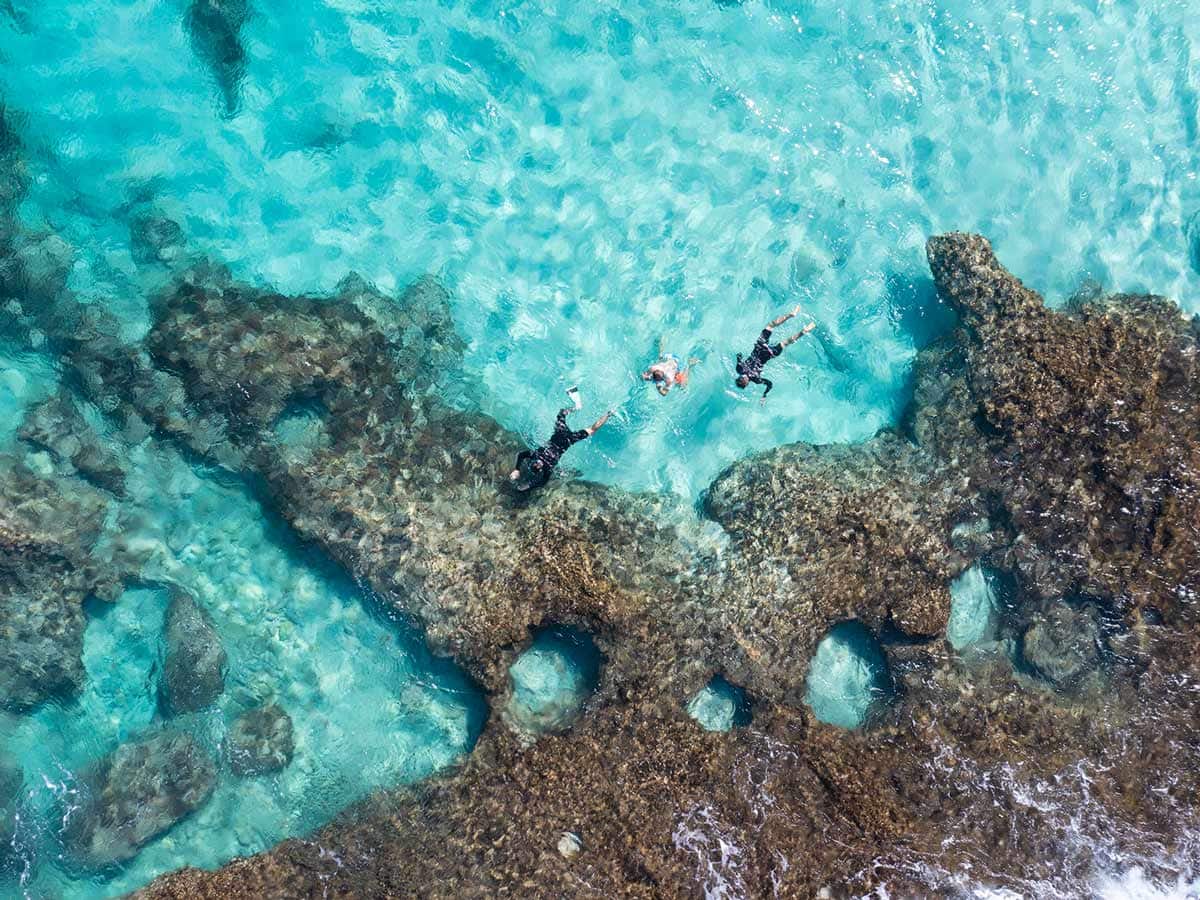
(543, 460)
(764, 351)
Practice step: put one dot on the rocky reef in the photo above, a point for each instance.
(134, 794)
(260, 741)
(215, 27)
(49, 526)
(1054, 447)
(193, 660)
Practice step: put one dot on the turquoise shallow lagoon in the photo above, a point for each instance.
(585, 178)
(590, 178)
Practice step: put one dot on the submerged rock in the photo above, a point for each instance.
(215, 27)
(48, 528)
(193, 662)
(135, 794)
(11, 784)
(155, 238)
(261, 741)
(58, 426)
(1063, 644)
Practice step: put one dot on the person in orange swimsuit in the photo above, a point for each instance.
(668, 371)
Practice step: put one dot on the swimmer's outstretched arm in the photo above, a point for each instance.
(775, 323)
(599, 423)
(521, 457)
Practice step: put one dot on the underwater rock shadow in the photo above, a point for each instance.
(215, 28)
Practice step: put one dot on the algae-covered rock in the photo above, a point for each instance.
(48, 528)
(193, 660)
(1063, 643)
(1088, 427)
(1058, 446)
(134, 794)
(261, 741)
(827, 534)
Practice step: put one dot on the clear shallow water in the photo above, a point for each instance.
(369, 707)
(585, 179)
(588, 178)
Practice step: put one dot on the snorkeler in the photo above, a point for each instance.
(764, 351)
(668, 371)
(543, 460)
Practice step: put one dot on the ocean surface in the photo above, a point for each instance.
(587, 179)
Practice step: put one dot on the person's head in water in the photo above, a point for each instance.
(743, 381)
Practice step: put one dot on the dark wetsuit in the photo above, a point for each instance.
(764, 351)
(550, 453)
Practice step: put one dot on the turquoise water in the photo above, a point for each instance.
(297, 634)
(586, 178)
(975, 600)
(848, 676)
(551, 681)
(719, 706)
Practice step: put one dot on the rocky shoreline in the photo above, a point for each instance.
(1055, 446)
(1058, 448)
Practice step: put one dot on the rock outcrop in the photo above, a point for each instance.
(135, 794)
(260, 741)
(57, 426)
(193, 659)
(1058, 448)
(48, 528)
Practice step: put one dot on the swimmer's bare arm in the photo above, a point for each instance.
(599, 423)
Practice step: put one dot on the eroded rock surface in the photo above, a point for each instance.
(135, 794)
(1055, 447)
(193, 662)
(1088, 429)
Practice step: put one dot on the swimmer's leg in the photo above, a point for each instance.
(795, 337)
